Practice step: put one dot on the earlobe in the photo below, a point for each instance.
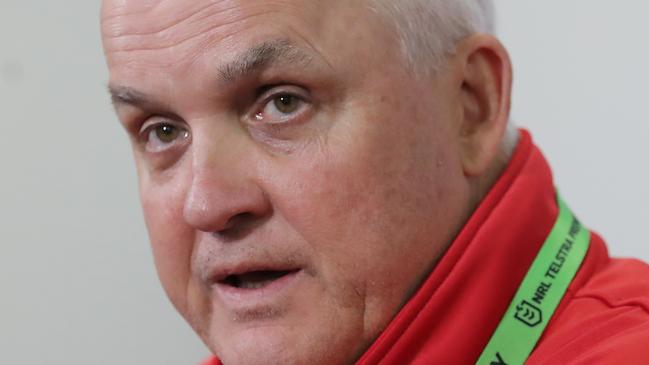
(485, 101)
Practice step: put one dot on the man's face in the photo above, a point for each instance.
(297, 182)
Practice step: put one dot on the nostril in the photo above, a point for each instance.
(237, 220)
(239, 226)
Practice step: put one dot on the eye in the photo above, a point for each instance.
(286, 104)
(162, 136)
(281, 107)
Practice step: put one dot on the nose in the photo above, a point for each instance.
(223, 194)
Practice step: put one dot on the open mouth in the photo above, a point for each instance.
(255, 279)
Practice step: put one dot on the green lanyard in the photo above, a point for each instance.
(540, 292)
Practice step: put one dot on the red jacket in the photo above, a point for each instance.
(602, 319)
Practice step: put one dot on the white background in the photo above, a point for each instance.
(77, 284)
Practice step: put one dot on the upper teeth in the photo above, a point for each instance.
(252, 284)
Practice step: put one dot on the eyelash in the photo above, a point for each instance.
(271, 95)
(151, 126)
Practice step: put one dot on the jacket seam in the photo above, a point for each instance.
(611, 305)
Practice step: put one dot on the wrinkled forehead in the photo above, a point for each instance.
(155, 16)
(177, 30)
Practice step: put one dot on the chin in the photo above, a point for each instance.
(271, 346)
(288, 320)
(259, 350)
(282, 341)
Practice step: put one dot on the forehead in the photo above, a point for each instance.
(161, 33)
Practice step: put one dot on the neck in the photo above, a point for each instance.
(483, 183)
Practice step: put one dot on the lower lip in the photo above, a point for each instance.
(236, 298)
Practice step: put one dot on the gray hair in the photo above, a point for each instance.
(429, 30)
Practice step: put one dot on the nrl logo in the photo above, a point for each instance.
(529, 314)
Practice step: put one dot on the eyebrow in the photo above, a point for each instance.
(250, 61)
(261, 56)
(123, 95)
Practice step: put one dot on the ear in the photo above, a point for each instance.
(485, 73)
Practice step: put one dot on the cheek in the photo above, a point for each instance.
(171, 240)
(355, 210)
(364, 191)
(377, 209)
